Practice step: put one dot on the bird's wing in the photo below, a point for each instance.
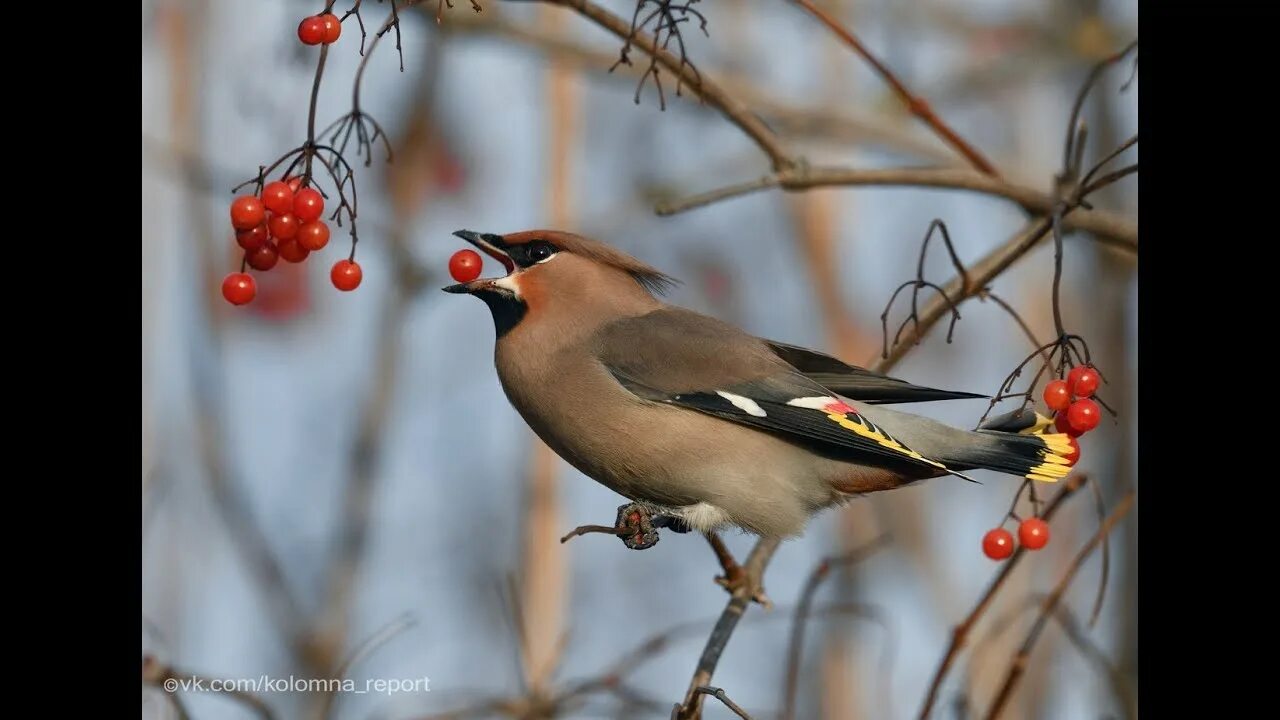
(858, 383)
(681, 358)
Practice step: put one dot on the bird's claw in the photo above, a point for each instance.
(635, 525)
(736, 581)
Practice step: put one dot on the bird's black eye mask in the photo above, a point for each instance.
(531, 253)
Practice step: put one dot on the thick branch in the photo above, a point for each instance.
(787, 118)
(723, 630)
(961, 632)
(1109, 225)
(1050, 604)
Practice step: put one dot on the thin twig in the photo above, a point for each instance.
(1050, 604)
(1101, 506)
(987, 294)
(961, 631)
(1075, 633)
(796, 644)
(1090, 650)
(786, 117)
(730, 106)
(803, 177)
(587, 529)
(916, 105)
(364, 650)
(171, 680)
(739, 600)
(719, 694)
(981, 273)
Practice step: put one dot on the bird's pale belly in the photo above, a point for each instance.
(716, 472)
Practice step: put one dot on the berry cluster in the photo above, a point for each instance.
(320, 29)
(1075, 413)
(1033, 534)
(283, 221)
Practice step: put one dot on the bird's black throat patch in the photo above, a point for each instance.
(507, 309)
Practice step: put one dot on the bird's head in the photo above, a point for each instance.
(552, 273)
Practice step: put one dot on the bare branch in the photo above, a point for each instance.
(796, 644)
(1050, 604)
(786, 117)
(731, 107)
(916, 105)
(961, 631)
(171, 680)
(739, 600)
(802, 177)
(720, 695)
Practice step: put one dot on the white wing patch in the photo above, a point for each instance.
(812, 403)
(745, 404)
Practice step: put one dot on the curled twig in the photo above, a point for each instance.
(918, 284)
(666, 18)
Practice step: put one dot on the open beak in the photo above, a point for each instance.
(491, 245)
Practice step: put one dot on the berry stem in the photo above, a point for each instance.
(311, 115)
(1016, 497)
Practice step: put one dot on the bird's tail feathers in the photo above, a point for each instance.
(1030, 452)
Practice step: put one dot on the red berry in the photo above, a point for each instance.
(332, 27)
(311, 30)
(1073, 457)
(1083, 381)
(314, 235)
(264, 258)
(283, 227)
(346, 275)
(308, 204)
(254, 237)
(465, 265)
(278, 197)
(247, 212)
(1063, 426)
(997, 544)
(295, 184)
(291, 251)
(1033, 533)
(238, 288)
(1084, 416)
(1057, 396)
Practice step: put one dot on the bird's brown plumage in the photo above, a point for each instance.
(674, 408)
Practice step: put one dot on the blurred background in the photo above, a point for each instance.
(329, 475)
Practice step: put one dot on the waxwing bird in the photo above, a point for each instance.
(691, 415)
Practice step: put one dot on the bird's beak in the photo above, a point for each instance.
(491, 245)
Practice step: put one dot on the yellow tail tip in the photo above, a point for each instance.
(1056, 464)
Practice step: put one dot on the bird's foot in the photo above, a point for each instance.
(736, 580)
(635, 524)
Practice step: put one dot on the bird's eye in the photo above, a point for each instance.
(540, 251)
